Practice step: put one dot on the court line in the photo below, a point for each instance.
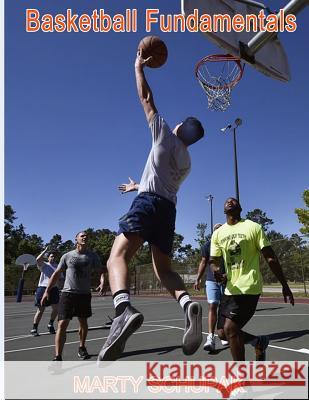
(16, 337)
(88, 340)
(161, 327)
(93, 308)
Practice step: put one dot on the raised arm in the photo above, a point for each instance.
(143, 89)
(276, 269)
(40, 258)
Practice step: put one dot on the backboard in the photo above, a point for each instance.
(25, 259)
(270, 59)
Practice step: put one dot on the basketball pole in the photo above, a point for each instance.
(260, 39)
(235, 164)
(210, 199)
(237, 123)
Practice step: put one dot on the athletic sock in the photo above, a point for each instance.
(35, 326)
(121, 300)
(184, 300)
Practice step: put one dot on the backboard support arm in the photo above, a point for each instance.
(247, 51)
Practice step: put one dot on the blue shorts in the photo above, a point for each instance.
(214, 292)
(53, 297)
(153, 218)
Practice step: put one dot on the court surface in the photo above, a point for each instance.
(160, 336)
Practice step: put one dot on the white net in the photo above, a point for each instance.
(218, 74)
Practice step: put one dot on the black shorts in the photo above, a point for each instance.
(53, 296)
(74, 305)
(153, 218)
(239, 308)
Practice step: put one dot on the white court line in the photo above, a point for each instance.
(16, 337)
(161, 327)
(93, 308)
(88, 340)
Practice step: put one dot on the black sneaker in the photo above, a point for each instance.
(83, 353)
(57, 358)
(260, 348)
(122, 328)
(51, 329)
(34, 332)
(192, 337)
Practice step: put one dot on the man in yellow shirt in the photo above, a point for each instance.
(240, 242)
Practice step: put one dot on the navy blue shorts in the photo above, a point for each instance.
(153, 218)
(53, 297)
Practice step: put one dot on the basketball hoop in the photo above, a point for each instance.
(218, 74)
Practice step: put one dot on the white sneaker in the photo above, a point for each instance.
(210, 344)
(224, 342)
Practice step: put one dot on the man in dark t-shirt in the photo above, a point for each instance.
(214, 291)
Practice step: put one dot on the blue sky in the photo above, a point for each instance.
(74, 127)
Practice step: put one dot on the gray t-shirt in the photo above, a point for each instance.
(78, 268)
(168, 162)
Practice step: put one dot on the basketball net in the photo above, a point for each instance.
(218, 74)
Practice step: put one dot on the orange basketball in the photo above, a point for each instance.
(153, 46)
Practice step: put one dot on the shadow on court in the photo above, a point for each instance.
(269, 309)
(288, 335)
(158, 350)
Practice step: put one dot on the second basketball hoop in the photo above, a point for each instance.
(218, 74)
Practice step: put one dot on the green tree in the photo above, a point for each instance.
(260, 217)
(303, 214)
(201, 234)
(59, 247)
(12, 235)
(180, 250)
(101, 241)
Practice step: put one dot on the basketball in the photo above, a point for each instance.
(153, 46)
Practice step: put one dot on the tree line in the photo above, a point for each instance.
(293, 251)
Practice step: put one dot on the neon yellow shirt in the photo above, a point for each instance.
(240, 247)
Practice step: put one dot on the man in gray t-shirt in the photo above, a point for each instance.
(151, 218)
(75, 299)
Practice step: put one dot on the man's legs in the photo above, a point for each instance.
(212, 317)
(53, 316)
(127, 319)
(36, 320)
(210, 344)
(174, 284)
(124, 248)
(240, 308)
(83, 330)
(61, 337)
(235, 339)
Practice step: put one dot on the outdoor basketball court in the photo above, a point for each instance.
(160, 336)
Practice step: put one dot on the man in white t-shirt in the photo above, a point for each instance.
(47, 269)
(151, 218)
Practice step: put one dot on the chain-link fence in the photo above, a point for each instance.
(292, 254)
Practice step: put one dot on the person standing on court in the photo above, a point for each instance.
(151, 218)
(214, 291)
(47, 269)
(75, 299)
(240, 242)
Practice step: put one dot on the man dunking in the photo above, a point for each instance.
(152, 219)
